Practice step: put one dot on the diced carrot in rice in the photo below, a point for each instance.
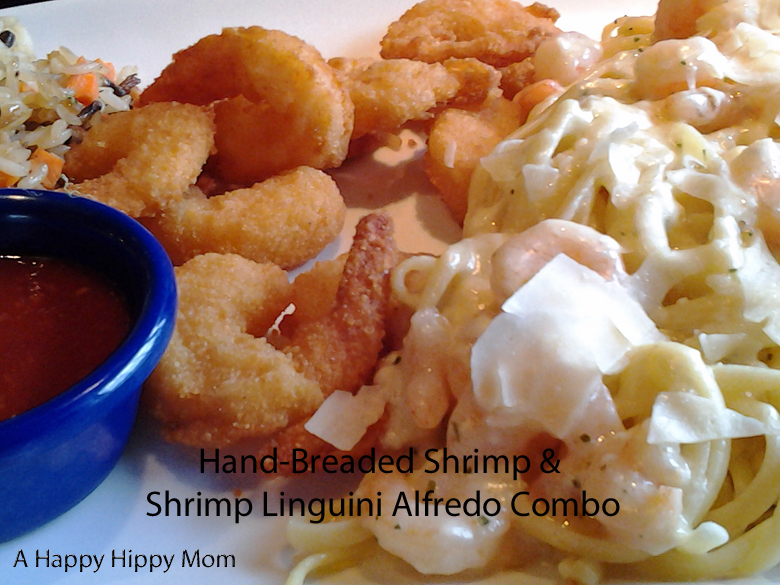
(85, 87)
(7, 180)
(53, 166)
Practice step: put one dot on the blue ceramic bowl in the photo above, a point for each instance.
(54, 455)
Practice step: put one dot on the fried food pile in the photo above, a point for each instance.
(224, 159)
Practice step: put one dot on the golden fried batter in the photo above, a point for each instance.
(516, 76)
(340, 349)
(287, 219)
(388, 93)
(139, 160)
(498, 32)
(458, 139)
(314, 293)
(342, 342)
(220, 381)
(277, 103)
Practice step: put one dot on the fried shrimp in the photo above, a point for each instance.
(517, 76)
(388, 93)
(220, 381)
(458, 139)
(498, 32)
(277, 103)
(142, 159)
(340, 348)
(287, 219)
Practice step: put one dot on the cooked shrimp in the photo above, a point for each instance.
(523, 255)
(278, 103)
(534, 94)
(388, 93)
(664, 488)
(676, 19)
(340, 350)
(757, 170)
(497, 32)
(287, 220)
(221, 381)
(565, 57)
(140, 160)
(341, 345)
(458, 139)
(439, 544)
(649, 478)
(686, 63)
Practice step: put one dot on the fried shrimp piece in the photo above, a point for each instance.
(498, 32)
(340, 350)
(314, 294)
(516, 76)
(458, 139)
(341, 347)
(287, 219)
(277, 103)
(478, 81)
(142, 159)
(220, 381)
(388, 93)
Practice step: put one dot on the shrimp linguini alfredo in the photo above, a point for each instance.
(616, 299)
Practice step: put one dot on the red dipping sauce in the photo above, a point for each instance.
(58, 322)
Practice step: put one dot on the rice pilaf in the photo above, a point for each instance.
(45, 103)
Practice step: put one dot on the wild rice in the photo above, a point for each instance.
(40, 104)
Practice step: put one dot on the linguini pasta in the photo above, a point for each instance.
(654, 372)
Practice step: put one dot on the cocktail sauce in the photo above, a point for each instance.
(58, 322)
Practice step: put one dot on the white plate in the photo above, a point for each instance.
(114, 517)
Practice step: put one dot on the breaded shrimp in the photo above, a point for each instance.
(516, 76)
(277, 103)
(388, 93)
(458, 139)
(220, 381)
(497, 32)
(287, 219)
(142, 159)
(340, 350)
(314, 293)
